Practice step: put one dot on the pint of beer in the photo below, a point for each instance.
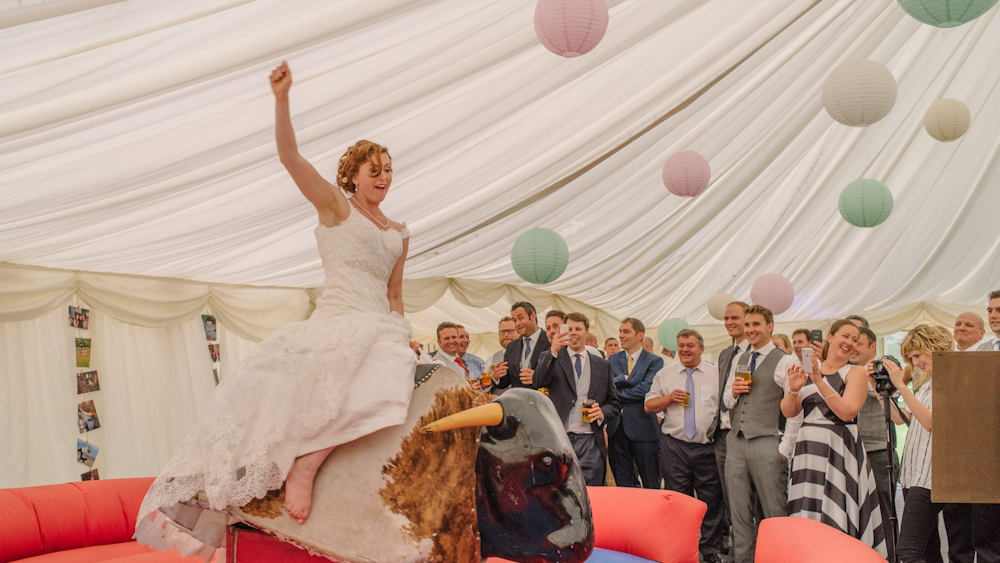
(587, 405)
(687, 399)
(744, 373)
(487, 379)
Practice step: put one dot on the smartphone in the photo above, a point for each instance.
(817, 335)
(807, 360)
(564, 328)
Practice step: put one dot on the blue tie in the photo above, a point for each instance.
(689, 422)
(753, 361)
(527, 348)
(998, 345)
(578, 366)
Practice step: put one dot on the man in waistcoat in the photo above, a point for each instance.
(760, 440)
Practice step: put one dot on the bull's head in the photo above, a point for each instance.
(531, 499)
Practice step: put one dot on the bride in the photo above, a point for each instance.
(344, 373)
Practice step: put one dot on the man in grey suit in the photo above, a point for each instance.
(719, 431)
(575, 376)
(760, 441)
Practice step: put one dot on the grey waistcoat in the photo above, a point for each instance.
(871, 424)
(758, 413)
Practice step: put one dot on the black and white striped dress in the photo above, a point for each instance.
(830, 480)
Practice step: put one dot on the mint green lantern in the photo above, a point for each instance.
(667, 333)
(539, 256)
(865, 203)
(946, 13)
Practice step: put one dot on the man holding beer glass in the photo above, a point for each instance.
(581, 388)
(688, 394)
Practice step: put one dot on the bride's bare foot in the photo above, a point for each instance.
(299, 484)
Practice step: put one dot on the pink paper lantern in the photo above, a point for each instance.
(773, 291)
(686, 174)
(571, 28)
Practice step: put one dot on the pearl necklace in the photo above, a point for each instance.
(368, 213)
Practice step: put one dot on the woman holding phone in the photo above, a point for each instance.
(831, 481)
(918, 530)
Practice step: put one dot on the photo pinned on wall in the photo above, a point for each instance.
(87, 382)
(83, 352)
(86, 453)
(209, 322)
(90, 476)
(215, 374)
(87, 417)
(213, 351)
(79, 318)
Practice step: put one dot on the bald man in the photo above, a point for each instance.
(969, 331)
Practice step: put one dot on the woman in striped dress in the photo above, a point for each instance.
(831, 481)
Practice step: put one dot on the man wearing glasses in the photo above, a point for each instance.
(507, 333)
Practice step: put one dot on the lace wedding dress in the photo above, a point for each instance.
(344, 373)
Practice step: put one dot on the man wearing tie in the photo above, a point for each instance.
(574, 376)
(528, 348)
(733, 320)
(688, 394)
(634, 437)
(760, 441)
(447, 340)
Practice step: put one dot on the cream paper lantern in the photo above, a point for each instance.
(859, 92)
(947, 120)
(717, 305)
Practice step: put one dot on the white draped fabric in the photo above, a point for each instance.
(139, 178)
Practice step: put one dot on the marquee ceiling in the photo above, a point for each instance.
(137, 137)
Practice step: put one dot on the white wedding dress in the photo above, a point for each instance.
(344, 373)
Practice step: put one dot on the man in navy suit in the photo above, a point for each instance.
(573, 376)
(633, 438)
(527, 348)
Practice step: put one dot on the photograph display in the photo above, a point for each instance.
(79, 318)
(209, 322)
(83, 352)
(86, 453)
(87, 417)
(87, 382)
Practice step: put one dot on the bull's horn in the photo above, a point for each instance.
(485, 415)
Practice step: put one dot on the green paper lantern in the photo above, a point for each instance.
(865, 203)
(946, 13)
(539, 256)
(667, 333)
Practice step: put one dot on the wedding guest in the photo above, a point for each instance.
(688, 394)
(473, 363)
(993, 316)
(800, 339)
(783, 343)
(506, 332)
(759, 432)
(523, 351)
(574, 376)
(448, 343)
(831, 481)
(553, 320)
(611, 347)
(858, 321)
(633, 437)
(592, 345)
(973, 528)
(647, 344)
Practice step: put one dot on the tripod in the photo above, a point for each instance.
(885, 389)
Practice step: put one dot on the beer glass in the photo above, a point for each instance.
(587, 405)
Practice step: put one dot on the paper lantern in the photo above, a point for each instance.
(859, 92)
(667, 333)
(571, 28)
(947, 120)
(686, 174)
(946, 13)
(717, 305)
(539, 256)
(865, 203)
(773, 291)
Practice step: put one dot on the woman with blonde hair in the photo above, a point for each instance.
(830, 479)
(918, 531)
(782, 342)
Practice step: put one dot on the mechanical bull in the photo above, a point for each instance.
(460, 481)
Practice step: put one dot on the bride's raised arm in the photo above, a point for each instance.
(327, 198)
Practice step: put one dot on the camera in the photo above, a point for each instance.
(881, 374)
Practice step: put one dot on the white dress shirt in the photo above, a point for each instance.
(792, 425)
(449, 361)
(525, 355)
(704, 400)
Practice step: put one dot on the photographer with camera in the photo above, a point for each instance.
(829, 465)
(874, 434)
(918, 532)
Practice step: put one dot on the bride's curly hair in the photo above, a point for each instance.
(352, 160)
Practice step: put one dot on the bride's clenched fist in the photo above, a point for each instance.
(281, 79)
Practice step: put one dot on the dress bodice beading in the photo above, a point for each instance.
(358, 258)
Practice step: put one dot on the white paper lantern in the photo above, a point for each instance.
(947, 120)
(773, 291)
(717, 305)
(859, 92)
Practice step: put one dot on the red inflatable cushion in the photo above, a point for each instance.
(649, 523)
(21, 537)
(801, 540)
(93, 554)
(247, 545)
